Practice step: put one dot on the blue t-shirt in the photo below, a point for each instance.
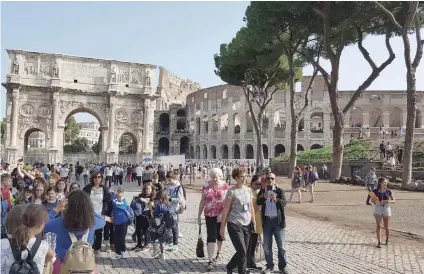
(382, 196)
(119, 211)
(63, 241)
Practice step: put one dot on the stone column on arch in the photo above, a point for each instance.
(111, 123)
(15, 116)
(148, 127)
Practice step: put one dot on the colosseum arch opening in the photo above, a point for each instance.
(182, 124)
(184, 146)
(205, 152)
(198, 123)
(280, 119)
(376, 118)
(182, 113)
(224, 122)
(224, 152)
(236, 122)
(249, 122)
(163, 146)
(213, 152)
(205, 124)
(236, 152)
(265, 151)
(250, 154)
(396, 117)
(300, 147)
(356, 117)
(164, 122)
(317, 120)
(316, 146)
(301, 125)
(279, 149)
(214, 122)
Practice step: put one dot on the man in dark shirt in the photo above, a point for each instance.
(161, 174)
(272, 200)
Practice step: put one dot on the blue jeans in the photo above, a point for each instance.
(272, 228)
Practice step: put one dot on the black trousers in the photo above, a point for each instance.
(176, 231)
(138, 180)
(109, 233)
(254, 237)
(142, 223)
(120, 177)
(239, 236)
(109, 180)
(98, 239)
(120, 234)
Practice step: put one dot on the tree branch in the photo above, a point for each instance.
(311, 83)
(364, 52)
(311, 59)
(420, 42)
(412, 11)
(389, 15)
(374, 74)
(270, 97)
(326, 24)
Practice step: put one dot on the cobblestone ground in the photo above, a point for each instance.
(312, 246)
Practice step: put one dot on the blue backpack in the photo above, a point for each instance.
(313, 177)
(170, 218)
(130, 214)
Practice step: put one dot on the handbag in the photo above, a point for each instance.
(259, 251)
(200, 252)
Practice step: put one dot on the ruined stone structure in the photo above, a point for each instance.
(215, 122)
(44, 90)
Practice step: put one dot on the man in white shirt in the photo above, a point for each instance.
(108, 175)
(64, 172)
(139, 174)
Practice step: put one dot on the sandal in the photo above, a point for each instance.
(210, 266)
(217, 258)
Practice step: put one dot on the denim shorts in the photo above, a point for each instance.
(382, 210)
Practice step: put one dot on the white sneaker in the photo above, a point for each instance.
(180, 235)
(162, 256)
(116, 256)
(124, 255)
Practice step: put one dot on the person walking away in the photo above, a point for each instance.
(79, 169)
(129, 173)
(158, 231)
(147, 175)
(296, 184)
(100, 198)
(238, 217)
(28, 222)
(383, 197)
(273, 200)
(382, 151)
(139, 174)
(121, 221)
(109, 175)
(212, 205)
(255, 185)
(181, 172)
(370, 183)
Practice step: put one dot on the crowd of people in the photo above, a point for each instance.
(55, 221)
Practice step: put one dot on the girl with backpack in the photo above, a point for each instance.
(26, 224)
(25, 197)
(176, 204)
(158, 231)
(78, 221)
(142, 205)
(121, 220)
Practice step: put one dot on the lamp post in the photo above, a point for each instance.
(253, 89)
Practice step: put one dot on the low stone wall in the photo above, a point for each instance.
(348, 169)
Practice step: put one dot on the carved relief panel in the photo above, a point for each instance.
(31, 65)
(121, 116)
(135, 76)
(123, 75)
(46, 67)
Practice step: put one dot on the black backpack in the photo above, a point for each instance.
(25, 266)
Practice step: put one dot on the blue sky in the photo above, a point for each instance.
(181, 36)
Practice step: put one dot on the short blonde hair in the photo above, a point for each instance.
(217, 172)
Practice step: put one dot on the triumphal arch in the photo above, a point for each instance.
(44, 90)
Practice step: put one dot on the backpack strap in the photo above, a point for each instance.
(74, 238)
(15, 252)
(34, 248)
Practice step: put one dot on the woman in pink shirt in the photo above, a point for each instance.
(212, 204)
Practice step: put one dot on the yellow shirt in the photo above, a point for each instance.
(258, 212)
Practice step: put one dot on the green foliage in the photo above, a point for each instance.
(356, 150)
(72, 130)
(96, 148)
(79, 145)
(3, 128)
(246, 52)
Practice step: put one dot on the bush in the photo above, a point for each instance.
(355, 150)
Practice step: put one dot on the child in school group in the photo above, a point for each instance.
(121, 219)
(158, 230)
(142, 206)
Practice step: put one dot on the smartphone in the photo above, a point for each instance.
(108, 219)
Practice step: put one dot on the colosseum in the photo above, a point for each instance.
(215, 123)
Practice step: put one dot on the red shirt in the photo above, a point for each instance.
(5, 193)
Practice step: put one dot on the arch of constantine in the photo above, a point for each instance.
(44, 90)
(215, 123)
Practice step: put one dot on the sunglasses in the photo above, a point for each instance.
(98, 176)
(270, 178)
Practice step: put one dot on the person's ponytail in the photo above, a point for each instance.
(21, 237)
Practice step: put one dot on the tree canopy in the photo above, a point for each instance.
(78, 145)
(72, 130)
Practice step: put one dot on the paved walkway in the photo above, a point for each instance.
(312, 246)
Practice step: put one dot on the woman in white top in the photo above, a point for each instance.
(26, 223)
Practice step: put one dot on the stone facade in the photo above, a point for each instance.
(217, 122)
(44, 90)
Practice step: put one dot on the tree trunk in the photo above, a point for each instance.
(411, 114)
(293, 145)
(259, 149)
(337, 162)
